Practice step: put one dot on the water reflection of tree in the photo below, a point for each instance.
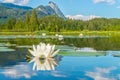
(112, 43)
(11, 58)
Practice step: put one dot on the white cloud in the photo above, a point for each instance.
(104, 1)
(19, 71)
(118, 7)
(82, 17)
(57, 74)
(101, 74)
(18, 2)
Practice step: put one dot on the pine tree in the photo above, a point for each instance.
(19, 25)
(10, 23)
(27, 22)
(33, 21)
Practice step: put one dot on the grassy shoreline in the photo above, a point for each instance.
(76, 33)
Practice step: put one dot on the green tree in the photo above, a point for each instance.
(10, 23)
(19, 25)
(27, 21)
(33, 21)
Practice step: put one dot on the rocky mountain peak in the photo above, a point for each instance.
(56, 9)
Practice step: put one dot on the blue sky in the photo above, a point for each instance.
(85, 8)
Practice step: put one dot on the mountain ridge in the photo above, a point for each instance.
(9, 10)
(10, 5)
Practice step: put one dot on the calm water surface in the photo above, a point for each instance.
(79, 59)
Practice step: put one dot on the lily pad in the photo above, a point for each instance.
(7, 44)
(24, 46)
(5, 49)
(74, 53)
(116, 55)
(2, 44)
(64, 47)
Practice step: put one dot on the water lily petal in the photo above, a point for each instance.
(48, 65)
(52, 67)
(38, 64)
(42, 48)
(34, 65)
(47, 51)
(45, 64)
(34, 48)
(32, 52)
(56, 52)
(38, 52)
(52, 49)
(32, 60)
(53, 61)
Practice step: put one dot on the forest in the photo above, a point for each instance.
(54, 23)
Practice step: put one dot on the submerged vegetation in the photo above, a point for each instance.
(55, 24)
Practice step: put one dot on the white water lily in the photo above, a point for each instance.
(43, 51)
(60, 37)
(56, 35)
(43, 34)
(80, 35)
(44, 64)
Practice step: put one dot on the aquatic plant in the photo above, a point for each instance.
(43, 50)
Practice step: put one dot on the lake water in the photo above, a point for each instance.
(80, 58)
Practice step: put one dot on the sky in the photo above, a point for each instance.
(78, 9)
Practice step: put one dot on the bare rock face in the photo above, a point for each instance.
(56, 9)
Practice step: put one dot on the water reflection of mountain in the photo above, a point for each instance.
(111, 43)
(12, 58)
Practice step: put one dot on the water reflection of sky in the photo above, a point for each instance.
(21, 70)
(69, 68)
